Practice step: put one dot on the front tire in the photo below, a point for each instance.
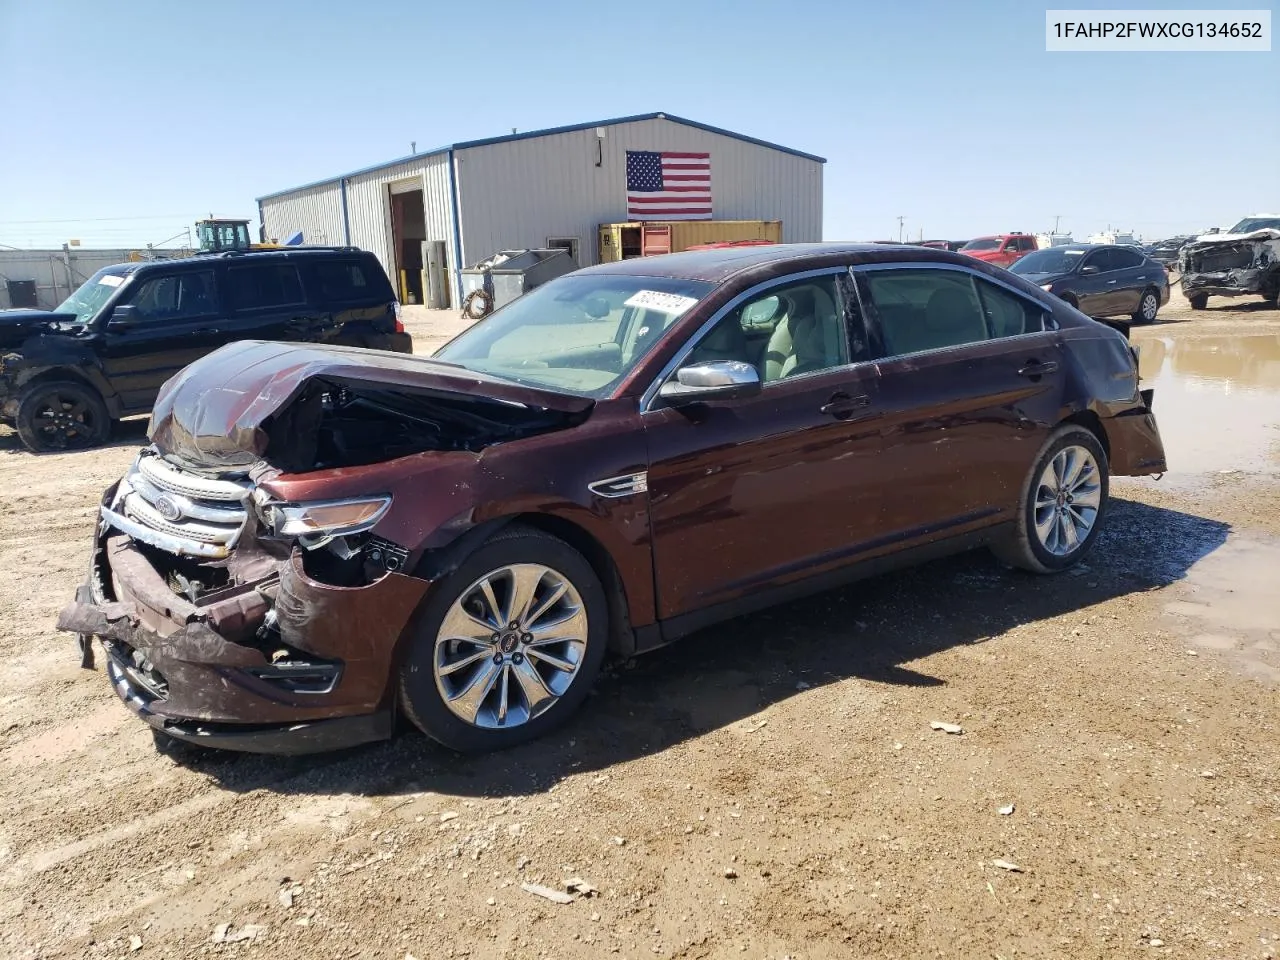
(1148, 306)
(56, 415)
(1063, 503)
(507, 646)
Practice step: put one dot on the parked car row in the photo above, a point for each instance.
(318, 540)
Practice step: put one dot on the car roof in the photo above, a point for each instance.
(250, 256)
(720, 264)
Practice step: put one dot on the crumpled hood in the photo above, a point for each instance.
(1212, 238)
(18, 325)
(216, 411)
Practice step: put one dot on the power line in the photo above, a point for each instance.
(163, 216)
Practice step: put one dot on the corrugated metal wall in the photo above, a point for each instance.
(316, 211)
(369, 205)
(518, 193)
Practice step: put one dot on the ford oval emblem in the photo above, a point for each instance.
(167, 508)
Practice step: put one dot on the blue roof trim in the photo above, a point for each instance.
(550, 131)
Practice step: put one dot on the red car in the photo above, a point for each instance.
(321, 539)
(1001, 249)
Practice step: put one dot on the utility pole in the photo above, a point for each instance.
(1056, 218)
(900, 220)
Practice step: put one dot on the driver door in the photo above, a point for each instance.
(761, 491)
(177, 321)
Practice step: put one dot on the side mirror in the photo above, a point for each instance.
(714, 380)
(1088, 270)
(123, 317)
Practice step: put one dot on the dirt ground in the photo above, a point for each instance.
(770, 788)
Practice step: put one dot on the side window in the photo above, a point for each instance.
(1007, 314)
(923, 309)
(177, 297)
(1125, 259)
(342, 280)
(787, 331)
(1026, 243)
(1101, 259)
(1011, 245)
(263, 285)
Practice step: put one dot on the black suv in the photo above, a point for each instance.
(105, 352)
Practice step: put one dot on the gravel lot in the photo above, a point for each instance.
(771, 787)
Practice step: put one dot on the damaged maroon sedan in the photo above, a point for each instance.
(319, 540)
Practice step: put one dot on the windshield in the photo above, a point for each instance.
(1250, 224)
(1048, 260)
(982, 243)
(580, 334)
(92, 294)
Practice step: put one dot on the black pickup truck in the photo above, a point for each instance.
(104, 353)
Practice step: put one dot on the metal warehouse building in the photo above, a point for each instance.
(428, 215)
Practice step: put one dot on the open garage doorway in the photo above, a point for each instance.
(408, 230)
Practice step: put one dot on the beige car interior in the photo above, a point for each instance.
(806, 334)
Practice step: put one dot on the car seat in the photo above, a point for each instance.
(807, 338)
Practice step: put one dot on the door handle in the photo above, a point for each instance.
(1111, 283)
(207, 331)
(1038, 368)
(842, 406)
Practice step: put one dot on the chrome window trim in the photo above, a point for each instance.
(651, 392)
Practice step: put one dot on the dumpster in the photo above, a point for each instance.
(509, 275)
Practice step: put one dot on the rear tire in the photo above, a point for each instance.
(57, 415)
(507, 646)
(1148, 306)
(1198, 300)
(1062, 506)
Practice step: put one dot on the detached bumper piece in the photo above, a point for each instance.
(282, 665)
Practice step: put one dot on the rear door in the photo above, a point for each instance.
(971, 383)
(265, 302)
(353, 298)
(761, 491)
(178, 320)
(1132, 277)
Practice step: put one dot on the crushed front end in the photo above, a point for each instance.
(1232, 265)
(203, 592)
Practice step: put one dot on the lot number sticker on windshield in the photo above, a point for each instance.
(671, 303)
(111, 280)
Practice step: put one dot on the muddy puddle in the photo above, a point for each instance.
(1217, 401)
(1229, 603)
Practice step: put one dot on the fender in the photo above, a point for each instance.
(49, 358)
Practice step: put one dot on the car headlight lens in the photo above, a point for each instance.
(1047, 286)
(329, 518)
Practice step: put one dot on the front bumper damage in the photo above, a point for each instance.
(1232, 266)
(281, 663)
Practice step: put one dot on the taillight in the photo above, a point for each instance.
(395, 309)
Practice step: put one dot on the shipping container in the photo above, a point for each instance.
(624, 241)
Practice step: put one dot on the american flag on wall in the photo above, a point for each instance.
(668, 186)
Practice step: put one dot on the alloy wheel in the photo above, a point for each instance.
(64, 421)
(1150, 306)
(1067, 499)
(510, 646)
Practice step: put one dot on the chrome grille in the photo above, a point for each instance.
(179, 511)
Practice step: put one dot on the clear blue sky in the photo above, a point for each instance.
(122, 123)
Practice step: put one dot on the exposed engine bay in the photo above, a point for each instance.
(1232, 265)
